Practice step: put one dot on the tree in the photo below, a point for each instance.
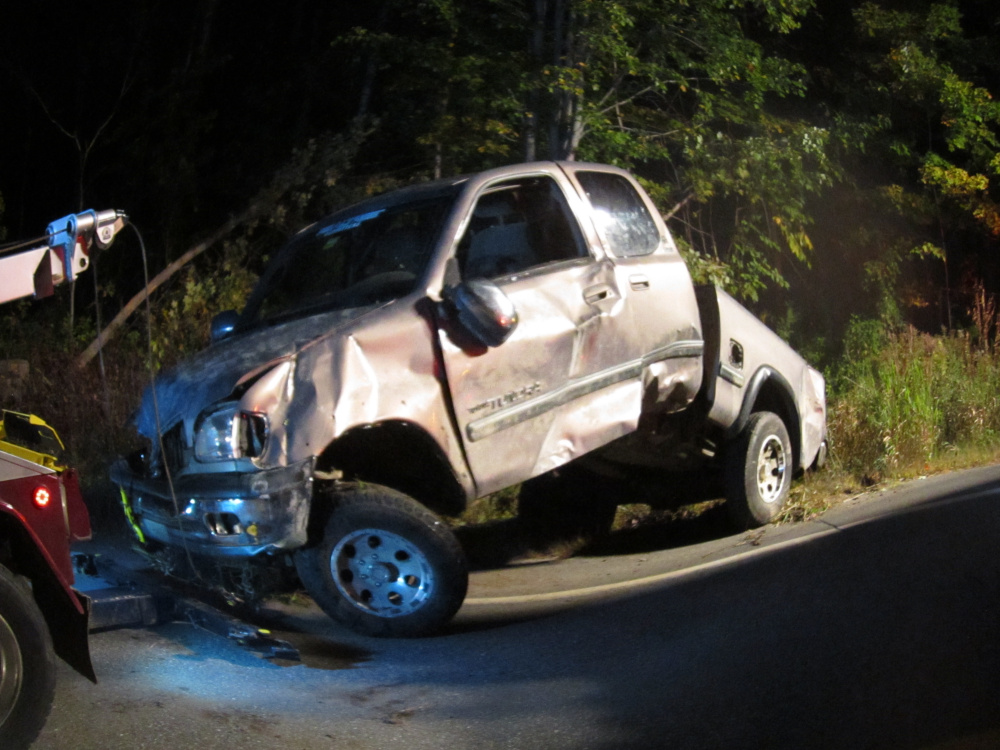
(683, 92)
(922, 137)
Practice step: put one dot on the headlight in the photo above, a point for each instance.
(228, 433)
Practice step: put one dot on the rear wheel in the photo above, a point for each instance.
(386, 566)
(759, 471)
(27, 665)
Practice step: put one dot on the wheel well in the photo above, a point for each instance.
(399, 455)
(769, 391)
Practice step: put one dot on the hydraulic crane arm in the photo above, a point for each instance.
(36, 271)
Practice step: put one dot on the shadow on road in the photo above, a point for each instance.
(687, 510)
(880, 635)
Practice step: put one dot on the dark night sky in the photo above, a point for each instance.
(201, 104)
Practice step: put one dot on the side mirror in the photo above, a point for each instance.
(483, 310)
(223, 324)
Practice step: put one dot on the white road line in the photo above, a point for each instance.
(637, 583)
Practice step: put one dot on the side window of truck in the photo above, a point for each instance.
(517, 225)
(622, 218)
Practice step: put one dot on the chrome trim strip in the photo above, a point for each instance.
(675, 350)
(577, 388)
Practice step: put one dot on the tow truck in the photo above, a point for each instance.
(45, 611)
(42, 512)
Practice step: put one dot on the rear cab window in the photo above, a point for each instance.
(622, 218)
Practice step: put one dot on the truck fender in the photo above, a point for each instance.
(768, 390)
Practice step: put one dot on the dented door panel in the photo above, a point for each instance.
(568, 379)
(515, 404)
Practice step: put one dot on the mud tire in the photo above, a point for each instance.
(758, 471)
(566, 505)
(27, 665)
(386, 565)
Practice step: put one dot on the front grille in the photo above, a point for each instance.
(174, 447)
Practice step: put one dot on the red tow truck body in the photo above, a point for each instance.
(41, 514)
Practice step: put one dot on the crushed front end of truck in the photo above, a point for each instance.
(217, 481)
(234, 435)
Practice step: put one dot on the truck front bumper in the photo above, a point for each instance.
(228, 514)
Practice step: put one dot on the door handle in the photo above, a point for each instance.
(638, 282)
(598, 293)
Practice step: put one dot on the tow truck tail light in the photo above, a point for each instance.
(42, 497)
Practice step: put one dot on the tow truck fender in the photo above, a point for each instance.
(66, 611)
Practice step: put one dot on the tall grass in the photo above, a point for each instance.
(903, 399)
(89, 407)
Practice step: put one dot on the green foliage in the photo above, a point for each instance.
(311, 182)
(182, 321)
(499, 506)
(904, 398)
(445, 76)
(921, 134)
(683, 92)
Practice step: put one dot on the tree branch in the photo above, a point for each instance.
(680, 204)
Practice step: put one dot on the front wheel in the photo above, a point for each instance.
(758, 471)
(27, 665)
(386, 565)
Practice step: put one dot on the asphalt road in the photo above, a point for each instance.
(875, 626)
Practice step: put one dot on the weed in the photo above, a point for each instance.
(500, 506)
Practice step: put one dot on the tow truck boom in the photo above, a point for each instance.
(68, 242)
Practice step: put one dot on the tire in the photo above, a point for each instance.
(758, 471)
(386, 566)
(27, 665)
(565, 505)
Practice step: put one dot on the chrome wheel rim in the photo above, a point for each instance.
(771, 469)
(11, 670)
(381, 573)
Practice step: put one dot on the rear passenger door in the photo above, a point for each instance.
(565, 382)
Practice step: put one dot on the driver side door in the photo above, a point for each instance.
(565, 382)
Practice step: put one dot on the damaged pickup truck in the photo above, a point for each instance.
(439, 343)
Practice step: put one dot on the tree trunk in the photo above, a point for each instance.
(536, 47)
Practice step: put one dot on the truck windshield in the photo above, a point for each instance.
(368, 256)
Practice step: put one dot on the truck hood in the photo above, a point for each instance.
(183, 391)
